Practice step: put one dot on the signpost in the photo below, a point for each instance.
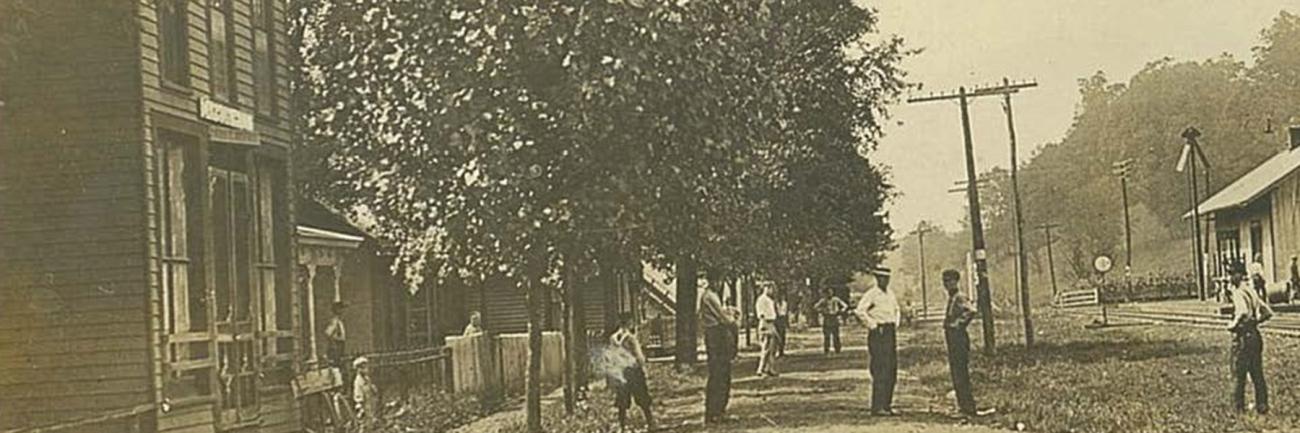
(1102, 264)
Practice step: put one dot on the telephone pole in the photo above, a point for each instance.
(1051, 266)
(1122, 169)
(1022, 268)
(921, 230)
(972, 194)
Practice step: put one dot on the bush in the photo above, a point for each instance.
(430, 411)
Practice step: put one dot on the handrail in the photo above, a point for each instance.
(112, 416)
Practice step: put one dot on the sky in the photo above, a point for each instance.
(1055, 42)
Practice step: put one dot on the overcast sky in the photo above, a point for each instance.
(1055, 42)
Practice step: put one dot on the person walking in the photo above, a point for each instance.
(955, 319)
(830, 307)
(765, 309)
(1248, 311)
(719, 343)
(878, 309)
(632, 379)
(782, 322)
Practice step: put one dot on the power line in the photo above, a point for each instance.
(963, 95)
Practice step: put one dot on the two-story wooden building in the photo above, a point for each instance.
(146, 274)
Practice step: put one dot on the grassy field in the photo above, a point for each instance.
(1142, 378)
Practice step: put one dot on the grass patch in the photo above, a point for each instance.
(1133, 379)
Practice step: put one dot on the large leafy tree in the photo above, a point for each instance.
(507, 139)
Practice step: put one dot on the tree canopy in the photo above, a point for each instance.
(733, 133)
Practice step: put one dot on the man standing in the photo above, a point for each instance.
(958, 315)
(336, 335)
(879, 310)
(782, 322)
(1248, 311)
(719, 343)
(1256, 274)
(830, 307)
(765, 309)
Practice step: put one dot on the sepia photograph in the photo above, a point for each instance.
(645, 216)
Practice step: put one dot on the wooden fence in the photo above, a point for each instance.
(493, 365)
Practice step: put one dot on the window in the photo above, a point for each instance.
(221, 49)
(264, 62)
(173, 41)
(185, 307)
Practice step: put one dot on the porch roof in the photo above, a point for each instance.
(308, 235)
(1253, 185)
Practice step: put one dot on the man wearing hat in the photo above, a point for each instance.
(1248, 311)
(878, 308)
(336, 335)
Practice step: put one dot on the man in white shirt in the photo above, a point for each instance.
(878, 308)
(1248, 311)
(765, 309)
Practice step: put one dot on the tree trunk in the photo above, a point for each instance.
(570, 389)
(533, 391)
(687, 294)
(575, 335)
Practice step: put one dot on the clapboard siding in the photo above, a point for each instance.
(190, 419)
(71, 276)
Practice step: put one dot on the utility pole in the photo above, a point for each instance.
(921, 230)
(1022, 268)
(1051, 266)
(1192, 151)
(977, 225)
(1122, 169)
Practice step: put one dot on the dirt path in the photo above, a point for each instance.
(816, 393)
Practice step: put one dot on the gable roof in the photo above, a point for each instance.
(1253, 185)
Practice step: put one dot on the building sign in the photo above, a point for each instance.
(226, 115)
(222, 134)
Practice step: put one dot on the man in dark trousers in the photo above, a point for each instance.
(958, 315)
(1248, 311)
(719, 343)
(830, 308)
(879, 310)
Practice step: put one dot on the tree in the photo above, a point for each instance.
(509, 139)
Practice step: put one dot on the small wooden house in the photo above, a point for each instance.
(1258, 216)
(146, 231)
(340, 262)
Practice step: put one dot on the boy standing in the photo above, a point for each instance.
(633, 386)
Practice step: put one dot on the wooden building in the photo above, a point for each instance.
(1258, 216)
(146, 274)
(340, 262)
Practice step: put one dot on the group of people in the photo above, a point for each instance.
(878, 310)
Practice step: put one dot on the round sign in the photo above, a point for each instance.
(1102, 264)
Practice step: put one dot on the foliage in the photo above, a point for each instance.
(622, 130)
(430, 411)
(1241, 109)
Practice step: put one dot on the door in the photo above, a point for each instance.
(236, 294)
